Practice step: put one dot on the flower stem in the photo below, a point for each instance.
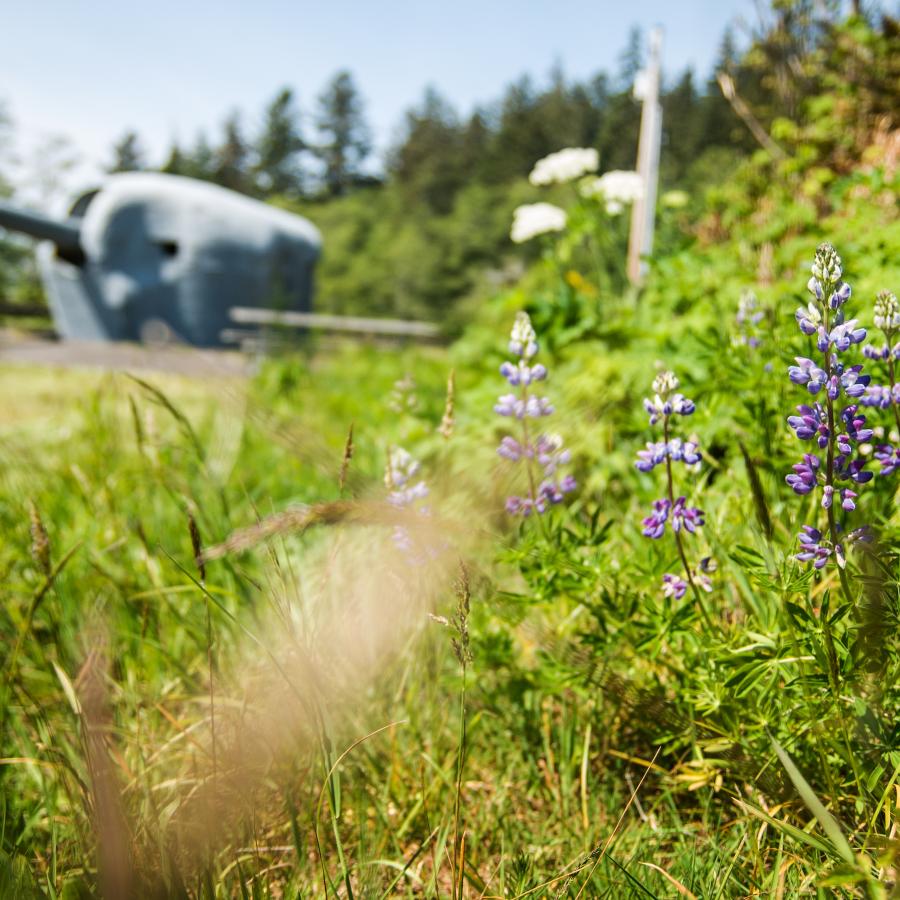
(829, 479)
(528, 450)
(687, 569)
(890, 363)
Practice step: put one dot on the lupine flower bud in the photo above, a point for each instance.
(827, 265)
(665, 383)
(523, 340)
(887, 312)
(840, 296)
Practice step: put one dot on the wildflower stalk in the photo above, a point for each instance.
(892, 378)
(829, 482)
(463, 653)
(824, 319)
(545, 450)
(529, 461)
(665, 403)
(670, 488)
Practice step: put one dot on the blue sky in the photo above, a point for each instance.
(91, 69)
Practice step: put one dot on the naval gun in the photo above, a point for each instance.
(149, 255)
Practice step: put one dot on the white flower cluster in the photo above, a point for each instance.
(565, 165)
(533, 219)
(617, 188)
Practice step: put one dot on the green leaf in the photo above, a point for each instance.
(826, 820)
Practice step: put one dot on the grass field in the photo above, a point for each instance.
(250, 653)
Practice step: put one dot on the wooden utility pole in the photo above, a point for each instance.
(646, 88)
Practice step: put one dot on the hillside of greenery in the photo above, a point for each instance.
(432, 228)
(296, 637)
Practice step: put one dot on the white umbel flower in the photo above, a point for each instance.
(565, 165)
(617, 188)
(533, 219)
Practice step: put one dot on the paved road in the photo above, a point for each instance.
(18, 348)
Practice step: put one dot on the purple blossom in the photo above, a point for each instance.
(665, 404)
(812, 548)
(847, 469)
(674, 586)
(521, 373)
(550, 453)
(852, 381)
(530, 408)
(881, 396)
(840, 296)
(855, 424)
(808, 318)
(842, 336)
(684, 451)
(688, 517)
(655, 523)
(656, 453)
(510, 449)
(888, 457)
(554, 491)
(652, 456)
(807, 373)
(804, 478)
(837, 431)
(884, 352)
(812, 422)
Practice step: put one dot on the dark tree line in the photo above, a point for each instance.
(279, 159)
(438, 151)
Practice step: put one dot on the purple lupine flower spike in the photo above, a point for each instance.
(545, 451)
(666, 403)
(838, 430)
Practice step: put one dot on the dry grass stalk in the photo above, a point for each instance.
(115, 864)
(40, 541)
(345, 461)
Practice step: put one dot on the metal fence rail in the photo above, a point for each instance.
(245, 315)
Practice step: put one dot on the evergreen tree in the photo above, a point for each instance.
(201, 161)
(278, 170)
(128, 155)
(345, 140)
(427, 162)
(176, 163)
(631, 59)
(231, 168)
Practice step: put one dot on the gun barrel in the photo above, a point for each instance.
(65, 234)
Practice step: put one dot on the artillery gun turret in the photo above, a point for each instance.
(149, 253)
